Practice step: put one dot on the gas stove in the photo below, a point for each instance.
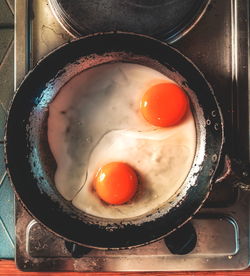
(218, 236)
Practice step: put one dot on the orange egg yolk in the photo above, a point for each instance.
(164, 104)
(116, 183)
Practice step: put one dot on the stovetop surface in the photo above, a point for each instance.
(222, 227)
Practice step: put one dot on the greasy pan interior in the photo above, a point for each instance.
(31, 165)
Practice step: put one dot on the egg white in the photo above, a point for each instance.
(95, 119)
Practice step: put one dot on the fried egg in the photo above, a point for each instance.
(95, 119)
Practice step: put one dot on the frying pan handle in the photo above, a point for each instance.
(237, 172)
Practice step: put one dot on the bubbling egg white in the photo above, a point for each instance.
(95, 119)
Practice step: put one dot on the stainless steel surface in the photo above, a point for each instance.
(219, 46)
(205, 227)
(223, 244)
(21, 45)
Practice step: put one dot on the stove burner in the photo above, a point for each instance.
(182, 241)
(165, 19)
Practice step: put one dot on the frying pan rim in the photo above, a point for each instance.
(100, 34)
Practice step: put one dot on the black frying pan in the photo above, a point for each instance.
(31, 165)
